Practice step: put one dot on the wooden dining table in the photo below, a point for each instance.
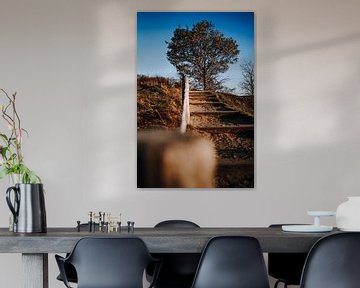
(35, 247)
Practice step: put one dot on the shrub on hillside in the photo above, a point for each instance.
(158, 102)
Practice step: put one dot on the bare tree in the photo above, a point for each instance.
(247, 85)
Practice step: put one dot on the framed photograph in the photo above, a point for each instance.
(195, 99)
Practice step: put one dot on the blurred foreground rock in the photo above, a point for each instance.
(172, 160)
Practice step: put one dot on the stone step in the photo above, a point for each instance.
(206, 103)
(227, 129)
(200, 97)
(219, 113)
(239, 165)
(233, 153)
(200, 92)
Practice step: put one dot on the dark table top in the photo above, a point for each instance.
(158, 240)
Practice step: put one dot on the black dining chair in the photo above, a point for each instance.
(333, 262)
(108, 263)
(232, 262)
(286, 267)
(70, 271)
(178, 269)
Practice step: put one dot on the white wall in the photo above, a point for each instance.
(73, 64)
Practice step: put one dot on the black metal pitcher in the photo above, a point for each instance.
(28, 208)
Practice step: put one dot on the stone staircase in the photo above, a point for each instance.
(232, 133)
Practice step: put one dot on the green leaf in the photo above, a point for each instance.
(4, 137)
(26, 132)
(3, 151)
(33, 178)
(27, 175)
(13, 156)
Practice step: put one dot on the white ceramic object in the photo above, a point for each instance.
(348, 214)
(316, 227)
(318, 214)
(321, 213)
(306, 228)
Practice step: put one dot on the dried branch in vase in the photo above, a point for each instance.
(11, 158)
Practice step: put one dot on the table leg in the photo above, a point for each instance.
(35, 270)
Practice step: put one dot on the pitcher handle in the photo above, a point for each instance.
(13, 208)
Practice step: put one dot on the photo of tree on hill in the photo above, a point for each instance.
(195, 99)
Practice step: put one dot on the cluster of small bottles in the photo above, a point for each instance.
(105, 222)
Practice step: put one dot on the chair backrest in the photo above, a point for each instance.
(178, 269)
(286, 267)
(232, 262)
(333, 262)
(110, 262)
(176, 224)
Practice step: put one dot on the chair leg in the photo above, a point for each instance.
(278, 282)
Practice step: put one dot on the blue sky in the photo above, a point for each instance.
(154, 28)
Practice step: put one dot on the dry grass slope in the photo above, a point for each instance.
(158, 103)
(243, 104)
